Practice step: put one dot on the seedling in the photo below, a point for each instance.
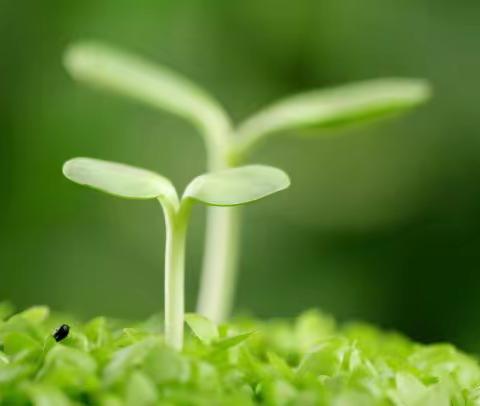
(229, 187)
(228, 146)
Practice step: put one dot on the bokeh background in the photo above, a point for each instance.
(382, 222)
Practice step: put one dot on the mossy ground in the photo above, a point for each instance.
(307, 361)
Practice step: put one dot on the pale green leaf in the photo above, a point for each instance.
(230, 342)
(324, 359)
(203, 328)
(409, 388)
(35, 314)
(120, 72)
(6, 309)
(280, 365)
(119, 179)
(3, 358)
(96, 331)
(141, 391)
(11, 373)
(67, 367)
(109, 399)
(126, 359)
(165, 365)
(335, 107)
(17, 342)
(46, 395)
(231, 187)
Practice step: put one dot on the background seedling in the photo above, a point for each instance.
(229, 187)
(227, 146)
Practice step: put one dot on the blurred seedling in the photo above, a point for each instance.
(228, 187)
(228, 145)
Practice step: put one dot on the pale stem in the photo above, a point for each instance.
(220, 261)
(176, 229)
(218, 279)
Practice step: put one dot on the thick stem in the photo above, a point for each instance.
(218, 280)
(176, 229)
(220, 262)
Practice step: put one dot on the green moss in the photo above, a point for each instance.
(306, 361)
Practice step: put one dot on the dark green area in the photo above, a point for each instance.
(381, 223)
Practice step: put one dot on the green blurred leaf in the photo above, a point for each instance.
(352, 397)
(336, 107)
(76, 339)
(131, 335)
(6, 310)
(3, 359)
(237, 186)
(203, 328)
(165, 365)
(97, 332)
(10, 373)
(205, 375)
(230, 342)
(279, 392)
(437, 395)
(410, 389)
(280, 365)
(313, 326)
(44, 395)
(16, 342)
(441, 359)
(34, 315)
(324, 359)
(140, 390)
(111, 400)
(71, 368)
(106, 67)
(126, 359)
(119, 179)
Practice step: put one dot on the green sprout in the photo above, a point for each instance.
(227, 145)
(228, 187)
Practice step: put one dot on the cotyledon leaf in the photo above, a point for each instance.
(203, 328)
(120, 72)
(119, 179)
(237, 186)
(335, 107)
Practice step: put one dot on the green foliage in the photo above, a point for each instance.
(119, 179)
(123, 73)
(336, 107)
(228, 187)
(119, 72)
(237, 186)
(308, 361)
(204, 329)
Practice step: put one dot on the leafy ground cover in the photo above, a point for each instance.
(307, 361)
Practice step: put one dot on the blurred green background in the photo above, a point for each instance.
(382, 222)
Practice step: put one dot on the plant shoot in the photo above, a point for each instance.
(229, 187)
(227, 146)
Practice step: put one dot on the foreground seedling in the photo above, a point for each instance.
(230, 187)
(228, 146)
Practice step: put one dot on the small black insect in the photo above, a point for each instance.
(61, 332)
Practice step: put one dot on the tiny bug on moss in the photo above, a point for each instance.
(61, 332)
